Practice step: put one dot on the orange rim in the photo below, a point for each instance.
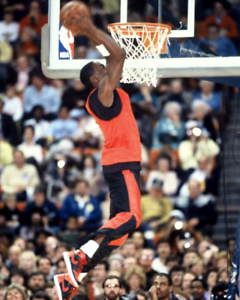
(138, 27)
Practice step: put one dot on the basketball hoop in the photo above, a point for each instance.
(144, 41)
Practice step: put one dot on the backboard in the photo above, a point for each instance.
(188, 55)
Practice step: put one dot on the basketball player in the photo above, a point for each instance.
(121, 157)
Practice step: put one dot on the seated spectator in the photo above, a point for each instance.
(51, 244)
(44, 265)
(48, 207)
(223, 275)
(211, 280)
(18, 276)
(6, 154)
(34, 20)
(162, 285)
(115, 263)
(41, 126)
(13, 257)
(64, 126)
(12, 104)
(12, 214)
(136, 280)
(196, 145)
(199, 209)
(171, 261)
(8, 127)
(156, 207)
(27, 262)
(83, 206)
(201, 115)
(99, 274)
(19, 178)
(145, 261)
(170, 129)
(8, 28)
(128, 262)
(19, 75)
(187, 280)
(71, 234)
(36, 282)
(163, 252)
(16, 290)
(221, 261)
(222, 45)
(222, 19)
(27, 43)
(128, 249)
(38, 93)
(139, 241)
(198, 289)
(176, 274)
(205, 174)
(163, 173)
(75, 96)
(188, 257)
(61, 266)
(209, 96)
(29, 148)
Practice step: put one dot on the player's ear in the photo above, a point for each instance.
(94, 79)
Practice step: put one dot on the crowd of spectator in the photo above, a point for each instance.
(51, 187)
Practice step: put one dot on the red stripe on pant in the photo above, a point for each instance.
(134, 196)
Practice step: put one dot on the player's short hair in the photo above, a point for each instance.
(85, 75)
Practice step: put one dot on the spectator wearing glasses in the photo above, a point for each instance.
(145, 261)
(111, 288)
(176, 274)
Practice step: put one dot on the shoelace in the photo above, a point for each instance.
(72, 291)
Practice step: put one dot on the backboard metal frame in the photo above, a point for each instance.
(170, 67)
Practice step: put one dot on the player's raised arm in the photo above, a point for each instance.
(115, 60)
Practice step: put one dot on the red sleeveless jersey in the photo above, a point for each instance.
(121, 136)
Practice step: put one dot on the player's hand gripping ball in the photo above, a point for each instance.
(75, 16)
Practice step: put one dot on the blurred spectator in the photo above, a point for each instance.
(187, 280)
(128, 249)
(199, 209)
(222, 260)
(163, 173)
(44, 266)
(205, 174)
(83, 206)
(6, 154)
(209, 96)
(222, 19)
(111, 288)
(36, 282)
(13, 257)
(15, 291)
(222, 45)
(196, 145)
(12, 104)
(156, 207)
(19, 75)
(63, 126)
(98, 14)
(75, 95)
(188, 257)
(136, 279)
(19, 178)
(115, 263)
(51, 244)
(8, 28)
(12, 214)
(29, 148)
(204, 119)
(223, 275)
(176, 274)
(129, 262)
(198, 289)
(211, 280)
(34, 20)
(139, 241)
(40, 201)
(61, 266)
(8, 128)
(170, 129)
(41, 127)
(38, 93)
(71, 234)
(163, 252)
(27, 262)
(197, 267)
(99, 274)
(27, 43)
(145, 261)
(17, 276)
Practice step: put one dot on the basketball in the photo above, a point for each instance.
(71, 13)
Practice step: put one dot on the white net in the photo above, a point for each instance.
(145, 43)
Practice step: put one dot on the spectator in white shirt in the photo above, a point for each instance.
(8, 28)
(29, 148)
(163, 173)
(41, 126)
(12, 104)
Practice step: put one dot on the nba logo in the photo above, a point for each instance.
(66, 43)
